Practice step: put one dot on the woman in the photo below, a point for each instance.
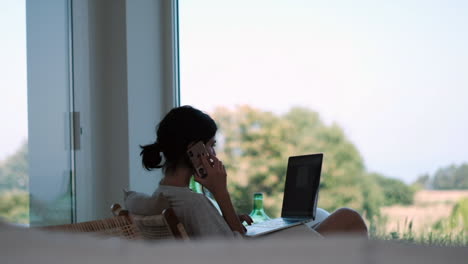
(184, 126)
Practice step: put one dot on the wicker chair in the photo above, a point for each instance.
(120, 225)
(157, 227)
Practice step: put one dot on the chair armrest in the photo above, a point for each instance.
(117, 210)
(175, 226)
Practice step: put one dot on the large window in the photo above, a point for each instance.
(36, 161)
(14, 179)
(379, 87)
(71, 123)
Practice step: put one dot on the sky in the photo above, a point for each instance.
(392, 74)
(13, 83)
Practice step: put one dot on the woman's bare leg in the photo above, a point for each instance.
(343, 220)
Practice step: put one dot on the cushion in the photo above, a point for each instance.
(146, 211)
(143, 204)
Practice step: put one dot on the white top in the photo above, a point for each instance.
(198, 215)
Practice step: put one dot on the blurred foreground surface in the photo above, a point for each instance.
(21, 245)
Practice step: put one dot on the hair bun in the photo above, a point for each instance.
(156, 146)
(151, 156)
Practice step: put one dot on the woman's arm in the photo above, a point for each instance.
(229, 213)
(216, 183)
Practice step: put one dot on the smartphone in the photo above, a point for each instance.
(195, 153)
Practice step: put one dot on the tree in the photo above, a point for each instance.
(423, 181)
(446, 178)
(14, 183)
(14, 171)
(394, 191)
(14, 206)
(256, 144)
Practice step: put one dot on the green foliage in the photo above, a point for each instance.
(438, 236)
(374, 199)
(14, 183)
(256, 144)
(459, 216)
(394, 191)
(15, 200)
(14, 206)
(14, 171)
(452, 177)
(457, 221)
(434, 238)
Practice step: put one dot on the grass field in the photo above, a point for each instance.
(417, 223)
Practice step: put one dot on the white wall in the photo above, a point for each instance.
(150, 79)
(99, 50)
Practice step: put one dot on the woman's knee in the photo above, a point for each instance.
(343, 220)
(352, 217)
(347, 213)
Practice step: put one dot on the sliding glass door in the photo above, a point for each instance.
(50, 153)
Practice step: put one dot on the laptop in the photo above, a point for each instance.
(299, 198)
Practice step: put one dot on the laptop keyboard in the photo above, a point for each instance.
(274, 223)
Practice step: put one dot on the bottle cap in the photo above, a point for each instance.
(258, 195)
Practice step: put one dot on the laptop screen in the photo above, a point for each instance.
(301, 187)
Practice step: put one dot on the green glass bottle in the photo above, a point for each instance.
(258, 214)
(195, 186)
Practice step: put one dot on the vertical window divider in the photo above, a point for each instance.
(175, 52)
(75, 120)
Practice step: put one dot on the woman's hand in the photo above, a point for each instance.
(245, 218)
(216, 179)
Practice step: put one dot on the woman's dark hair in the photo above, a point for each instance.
(180, 127)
